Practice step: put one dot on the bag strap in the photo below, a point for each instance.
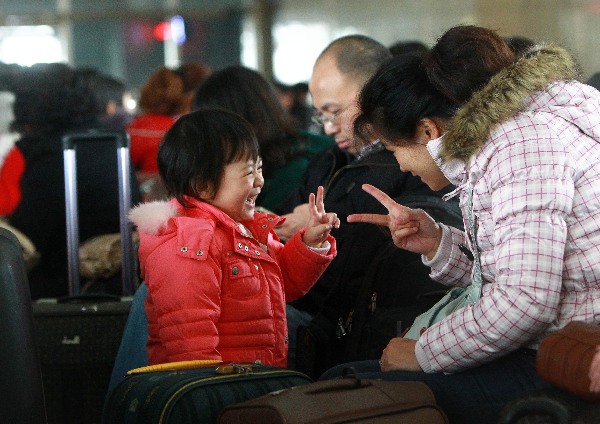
(476, 274)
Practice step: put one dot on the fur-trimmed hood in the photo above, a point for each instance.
(506, 94)
(151, 217)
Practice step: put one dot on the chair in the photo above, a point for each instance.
(21, 387)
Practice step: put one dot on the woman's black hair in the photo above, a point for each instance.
(196, 149)
(247, 93)
(396, 98)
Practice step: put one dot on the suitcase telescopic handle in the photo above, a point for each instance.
(121, 140)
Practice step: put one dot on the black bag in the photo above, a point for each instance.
(197, 395)
(78, 336)
(357, 323)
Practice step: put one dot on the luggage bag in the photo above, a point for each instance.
(170, 394)
(345, 400)
(78, 336)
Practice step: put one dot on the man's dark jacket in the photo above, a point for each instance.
(343, 177)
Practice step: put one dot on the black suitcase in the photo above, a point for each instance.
(78, 336)
(175, 394)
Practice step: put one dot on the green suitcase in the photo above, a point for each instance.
(172, 393)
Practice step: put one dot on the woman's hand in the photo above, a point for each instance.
(399, 355)
(412, 229)
(320, 222)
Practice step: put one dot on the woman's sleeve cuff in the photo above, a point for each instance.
(422, 358)
(441, 255)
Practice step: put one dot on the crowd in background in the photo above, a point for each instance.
(346, 144)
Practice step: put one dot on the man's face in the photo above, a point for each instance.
(334, 96)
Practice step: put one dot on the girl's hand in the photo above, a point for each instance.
(399, 355)
(412, 229)
(320, 222)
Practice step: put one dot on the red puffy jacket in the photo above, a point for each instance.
(214, 293)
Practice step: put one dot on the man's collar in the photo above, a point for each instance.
(375, 147)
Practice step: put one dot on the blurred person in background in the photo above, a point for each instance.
(294, 99)
(110, 94)
(50, 101)
(284, 147)
(12, 162)
(166, 95)
(411, 47)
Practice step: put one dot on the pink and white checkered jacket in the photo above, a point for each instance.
(529, 145)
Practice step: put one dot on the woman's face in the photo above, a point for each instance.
(414, 158)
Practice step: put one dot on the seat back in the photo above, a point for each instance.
(21, 387)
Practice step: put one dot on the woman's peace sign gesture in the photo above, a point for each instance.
(412, 229)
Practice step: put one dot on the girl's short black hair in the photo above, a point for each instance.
(396, 98)
(196, 149)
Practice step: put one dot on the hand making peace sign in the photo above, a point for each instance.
(320, 223)
(412, 229)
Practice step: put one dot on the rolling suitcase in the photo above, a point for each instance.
(78, 336)
(192, 391)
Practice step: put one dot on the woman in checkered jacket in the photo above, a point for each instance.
(523, 137)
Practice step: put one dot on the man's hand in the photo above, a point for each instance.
(293, 222)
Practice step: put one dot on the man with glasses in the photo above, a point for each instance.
(338, 75)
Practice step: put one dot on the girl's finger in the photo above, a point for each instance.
(322, 230)
(320, 202)
(311, 204)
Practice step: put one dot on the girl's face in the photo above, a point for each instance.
(240, 186)
(415, 158)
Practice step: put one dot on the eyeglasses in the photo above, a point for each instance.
(322, 119)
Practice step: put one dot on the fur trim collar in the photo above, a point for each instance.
(151, 217)
(505, 95)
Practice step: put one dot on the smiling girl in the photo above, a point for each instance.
(217, 275)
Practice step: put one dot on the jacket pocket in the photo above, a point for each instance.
(242, 281)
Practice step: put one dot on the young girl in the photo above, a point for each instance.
(218, 278)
